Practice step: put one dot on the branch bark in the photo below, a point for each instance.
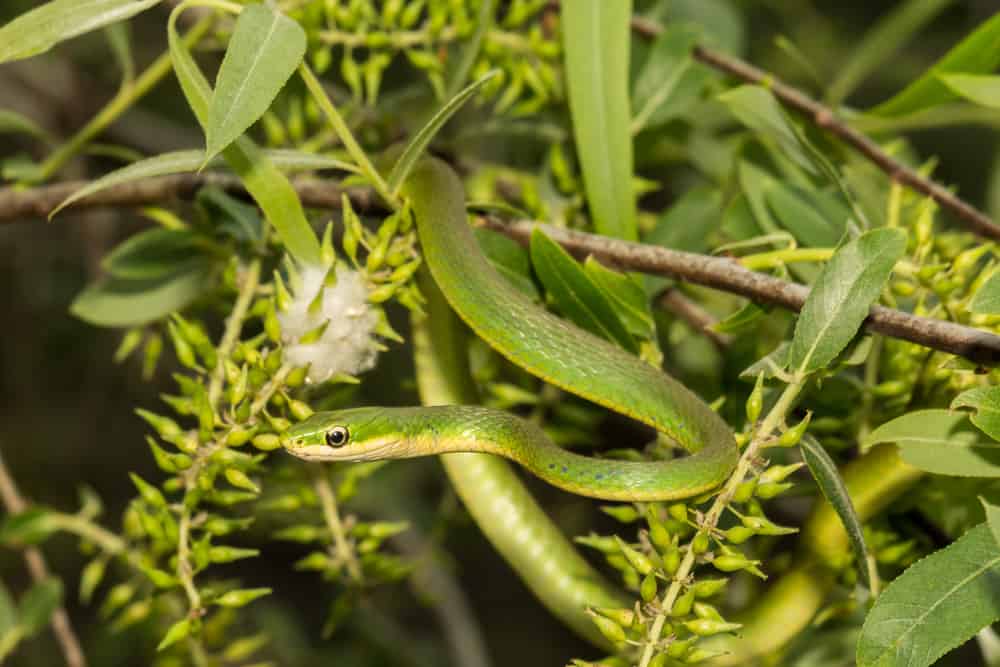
(722, 273)
(824, 117)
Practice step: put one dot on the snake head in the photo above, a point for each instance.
(357, 434)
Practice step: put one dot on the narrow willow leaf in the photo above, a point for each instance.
(180, 162)
(978, 88)
(756, 107)
(986, 300)
(423, 138)
(941, 442)
(177, 632)
(263, 53)
(12, 122)
(40, 29)
(574, 293)
(935, 605)
(626, 295)
(596, 44)
(266, 184)
(828, 478)
(509, 258)
(992, 519)
(669, 82)
(841, 297)
(986, 403)
(8, 612)
(154, 253)
(979, 53)
(771, 365)
(36, 607)
(125, 303)
(814, 218)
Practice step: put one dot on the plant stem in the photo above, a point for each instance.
(775, 417)
(234, 325)
(331, 515)
(62, 628)
(775, 258)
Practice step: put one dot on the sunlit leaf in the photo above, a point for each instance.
(596, 44)
(985, 401)
(987, 299)
(935, 605)
(841, 297)
(263, 53)
(40, 29)
(981, 89)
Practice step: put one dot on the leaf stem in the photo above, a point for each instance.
(776, 258)
(328, 503)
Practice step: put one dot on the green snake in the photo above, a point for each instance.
(545, 346)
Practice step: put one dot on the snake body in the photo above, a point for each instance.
(545, 346)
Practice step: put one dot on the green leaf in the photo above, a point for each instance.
(423, 138)
(178, 631)
(771, 365)
(40, 29)
(12, 122)
(124, 303)
(37, 605)
(992, 519)
(986, 300)
(841, 297)
(509, 258)
(263, 53)
(755, 107)
(828, 478)
(626, 295)
(596, 44)
(815, 218)
(8, 612)
(154, 253)
(266, 184)
(978, 88)
(574, 293)
(668, 83)
(936, 605)
(986, 403)
(979, 53)
(32, 526)
(941, 442)
(231, 216)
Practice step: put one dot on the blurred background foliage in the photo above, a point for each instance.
(67, 415)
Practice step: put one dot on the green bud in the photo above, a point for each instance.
(239, 479)
(682, 605)
(266, 442)
(660, 660)
(216, 525)
(705, 610)
(700, 543)
(671, 560)
(636, 559)
(744, 492)
(91, 577)
(623, 513)
(678, 649)
(148, 492)
(763, 526)
(301, 533)
(299, 410)
(183, 349)
(704, 627)
(890, 388)
(314, 335)
(167, 462)
(239, 436)
(130, 341)
(164, 426)
(385, 529)
(755, 402)
(791, 436)
(160, 578)
(224, 554)
(317, 561)
(706, 588)
(611, 630)
(770, 490)
(779, 473)
(623, 617)
(659, 534)
(151, 355)
(678, 511)
(117, 597)
(382, 293)
(178, 631)
(733, 563)
(241, 597)
(297, 376)
(739, 534)
(648, 587)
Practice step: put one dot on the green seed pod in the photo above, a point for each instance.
(704, 627)
(117, 597)
(700, 543)
(297, 376)
(763, 526)
(733, 563)
(779, 473)
(697, 655)
(91, 578)
(768, 491)
(169, 463)
(385, 529)
(660, 660)
(623, 617)
(636, 559)
(606, 545)
(241, 597)
(611, 630)
(791, 436)
(266, 442)
(130, 342)
(744, 492)
(183, 349)
(223, 554)
(682, 605)
(705, 610)
(239, 479)
(299, 410)
(301, 533)
(164, 426)
(317, 561)
(706, 588)
(658, 533)
(739, 534)
(648, 588)
(678, 649)
(382, 293)
(623, 513)
(678, 511)
(755, 402)
(671, 560)
(148, 492)
(151, 355)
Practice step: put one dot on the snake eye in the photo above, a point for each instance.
(337, 436)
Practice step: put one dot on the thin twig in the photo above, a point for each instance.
(722, 273)
(68, 642)
(824, 117)
(331, 515)
(694, 315)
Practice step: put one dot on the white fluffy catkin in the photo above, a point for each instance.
(348, 344)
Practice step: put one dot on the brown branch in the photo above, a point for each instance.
(980, 347)
(694, 315)
(15, 504)
(17, 204)
(825, 118)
